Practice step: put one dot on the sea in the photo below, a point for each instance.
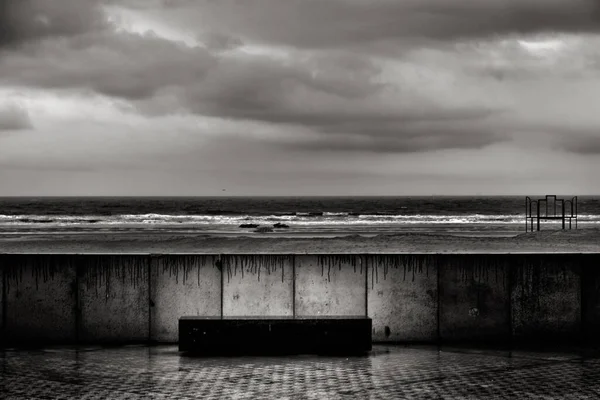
(309, 216)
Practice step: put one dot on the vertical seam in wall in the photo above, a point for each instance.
(4, 308)
(582, 301)
(364, 259)
(294, 286)
(439, 298)
(77, 299)
(222, 283)
(149, 298)
(509, 284)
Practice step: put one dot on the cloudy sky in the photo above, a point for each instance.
(299, 97)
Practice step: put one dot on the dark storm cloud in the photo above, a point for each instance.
(136, 67)
(322, 92)
(219, 41)
(339, 99)
(263, 89)
(13, 117)
(333, 95)
(120, 65)
(584, 145)
(30, 20)
(333, 100)
(407, 138)
(353, 23)
(343, 120)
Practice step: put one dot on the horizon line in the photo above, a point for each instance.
(294, 195)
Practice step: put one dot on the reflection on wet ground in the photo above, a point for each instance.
(388, 372)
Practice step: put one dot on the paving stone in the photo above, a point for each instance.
(389, 372)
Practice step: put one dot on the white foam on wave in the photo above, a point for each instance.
(331, 219)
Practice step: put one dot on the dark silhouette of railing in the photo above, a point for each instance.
(546, 209)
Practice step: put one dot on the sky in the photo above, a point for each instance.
(299, 97)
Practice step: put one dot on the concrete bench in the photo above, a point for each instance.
(267, 335)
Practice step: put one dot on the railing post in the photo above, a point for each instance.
(576, 211)
(531, 215)
(568, 209)
(527, 202)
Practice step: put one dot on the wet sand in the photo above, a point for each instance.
(551, 241)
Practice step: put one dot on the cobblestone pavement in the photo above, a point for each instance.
(389, 372)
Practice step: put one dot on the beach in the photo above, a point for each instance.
(549, 241)
(292, 225)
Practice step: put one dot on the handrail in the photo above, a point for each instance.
(550, 213)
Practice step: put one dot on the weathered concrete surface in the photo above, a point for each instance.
(40, 299)
(107, 298)
(2, 294)
(545, 297)
(114, 298)
(257, 285)
(474, 298)
(403, 297)
(330, 285)
(182, 286)
(590, 301)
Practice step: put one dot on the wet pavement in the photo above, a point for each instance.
(388, 372)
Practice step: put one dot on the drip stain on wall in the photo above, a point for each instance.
(256, 264)
(479, 279)
(99, 272)
(337, 261)
(536, 275)
(479, 269)
(181, 266)
(411, 265)
(42, 269)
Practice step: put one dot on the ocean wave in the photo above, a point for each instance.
(299, 219)
(311, 214)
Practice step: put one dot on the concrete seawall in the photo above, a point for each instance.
(410, 297)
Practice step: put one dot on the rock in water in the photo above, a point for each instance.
(264, 229)
(280, 225)
(249, 226)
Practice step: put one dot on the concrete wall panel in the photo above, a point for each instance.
(474, 298)
(546, 301)
(114, 298)
(403, 298)
(60, 298)
(591, 297)
(182, 286)
(330, 285)
(2, 294)
(40, 299)
(257, 285)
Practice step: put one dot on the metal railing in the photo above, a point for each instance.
(550, 208)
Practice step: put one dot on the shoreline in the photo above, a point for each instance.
(299, 254)
(575, 241)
